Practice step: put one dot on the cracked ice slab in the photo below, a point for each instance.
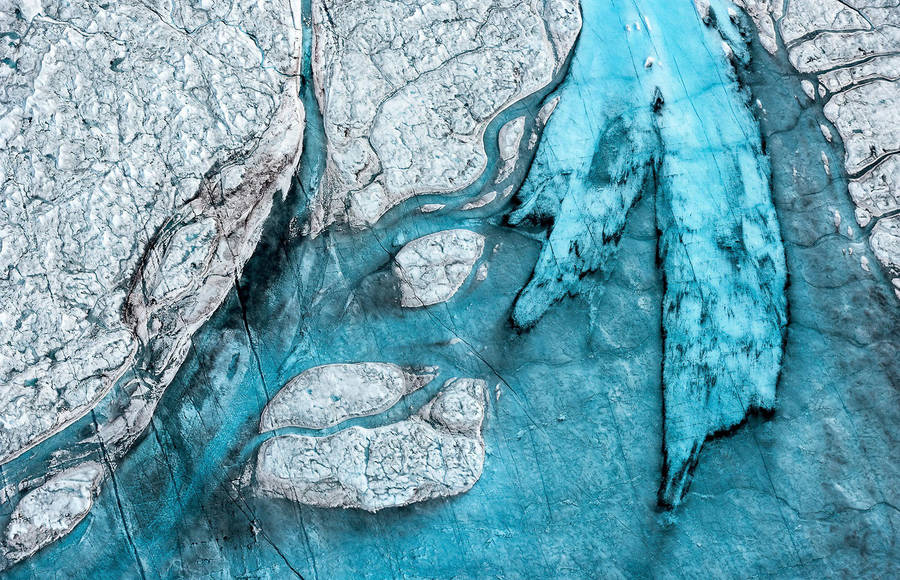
(879, 192)
(852, 48)
(406, 103)
(438, 452)
(51, 510)
(432, 268)
(140, 150)
(885, 240)
(327, 395)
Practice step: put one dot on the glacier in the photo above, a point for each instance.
(659, 234)
(724, 308)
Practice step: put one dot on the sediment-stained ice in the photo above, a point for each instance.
(438, 452)
(51, 510)
(140, 150)
(326, 395)
(432, 268)
(405, 104)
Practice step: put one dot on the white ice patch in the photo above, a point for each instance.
(327, 395)
(52, 510)
(438, 452)
(432, 268)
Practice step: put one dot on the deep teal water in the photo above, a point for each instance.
(573, 443)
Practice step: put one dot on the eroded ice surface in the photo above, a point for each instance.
(572, 443)
(140, 150)
(432, 268)
(437, 453)
(405, 105)
(326, 395)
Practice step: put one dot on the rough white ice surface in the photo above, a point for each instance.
(327, 395)
(438, 452)
(885, 240)
(508, 140)
(407, 90)
(432, 268)
(852, 48)
(141, 144)
(51, 510)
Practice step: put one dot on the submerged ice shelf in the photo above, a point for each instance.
(643, 249)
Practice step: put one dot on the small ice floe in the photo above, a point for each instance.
(481, 201)
(809, 89)
(826, 164)
(438, 452)
(52, 510)
(432, 268)
(327, 395)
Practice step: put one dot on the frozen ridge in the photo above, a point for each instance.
(849, 50)
(405, 104)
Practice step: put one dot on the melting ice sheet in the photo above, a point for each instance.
(572, 444)
(652, 106)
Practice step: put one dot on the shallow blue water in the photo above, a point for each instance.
(573, 443)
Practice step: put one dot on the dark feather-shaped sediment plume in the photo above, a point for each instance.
(723, 311)
(587, 206)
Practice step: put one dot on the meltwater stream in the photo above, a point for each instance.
(573, 442)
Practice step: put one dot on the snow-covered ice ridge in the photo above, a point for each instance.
(847, 51)
(407, 90)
